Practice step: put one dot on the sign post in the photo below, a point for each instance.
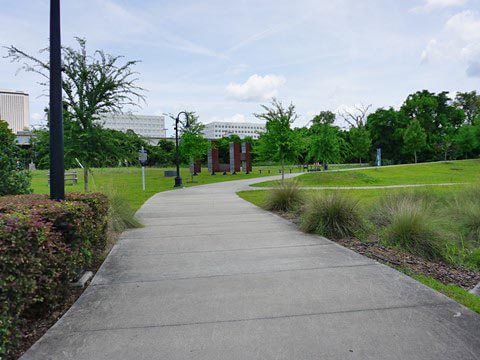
(143, 158)
(379, 157)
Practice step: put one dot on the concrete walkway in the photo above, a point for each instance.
(214, 277)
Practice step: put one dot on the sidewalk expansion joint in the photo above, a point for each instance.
(263, 318)
(234, 274)
(224, 250)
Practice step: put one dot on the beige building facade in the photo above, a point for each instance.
(15, 109)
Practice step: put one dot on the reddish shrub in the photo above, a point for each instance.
(43, 245)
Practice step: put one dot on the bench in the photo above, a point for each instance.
(70, 178)
(170, 173)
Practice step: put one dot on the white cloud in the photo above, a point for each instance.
(473, 69)
(238, 69)
(430, 52)
(256, 88)
(459, 41)
(430, 5)
(235, 118)
(465, 25)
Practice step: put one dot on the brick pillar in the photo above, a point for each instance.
(213, 165)
(247, 155)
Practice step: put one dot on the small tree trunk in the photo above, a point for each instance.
(415, 154)
(85, 179)
(283, 169)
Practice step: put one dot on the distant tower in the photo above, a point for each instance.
(15, 109)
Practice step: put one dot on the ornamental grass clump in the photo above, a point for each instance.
(285, 197)
(464, 209)
(408, 222)
(121, 214)
(332, 215)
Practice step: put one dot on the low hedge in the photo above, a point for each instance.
(44, 245)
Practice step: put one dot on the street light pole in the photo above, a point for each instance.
(178, 179)
(57, 166)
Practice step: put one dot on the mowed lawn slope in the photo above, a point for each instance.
(462, 171)
(127, 182)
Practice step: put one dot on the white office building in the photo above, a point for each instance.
(217, 129)
(150, 127)
(15, 109)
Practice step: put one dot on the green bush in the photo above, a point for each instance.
(35, 268)
(43, 245)
(332, 215)
(406, 220)
(13, 179)
(284, 197)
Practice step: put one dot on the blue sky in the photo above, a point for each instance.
(223, 59)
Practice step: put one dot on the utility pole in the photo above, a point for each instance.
(57, 166)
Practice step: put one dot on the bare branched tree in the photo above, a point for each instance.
(356, 118)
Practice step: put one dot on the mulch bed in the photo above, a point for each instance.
(445, 273)
(33, 329)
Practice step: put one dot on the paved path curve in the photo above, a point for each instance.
(214, 277)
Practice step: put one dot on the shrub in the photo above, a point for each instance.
(35, 269)
(284, 197)
(81, 220)
(43, 245)
(13, 180)
(331, 215)
(408, 222)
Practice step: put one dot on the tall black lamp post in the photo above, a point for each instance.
(178, 179)
(57, 166)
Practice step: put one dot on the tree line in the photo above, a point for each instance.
(427, 127)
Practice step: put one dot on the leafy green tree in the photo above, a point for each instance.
(166, 153)
(13, 179)
(192, 143)
(302, 135)
(436, 114)
(469, 102)
(93, 84)
(385, 128)
(415, 138)
(324, 117)
(279, 142)
(360, 142)
(325, 144)
(467, 139)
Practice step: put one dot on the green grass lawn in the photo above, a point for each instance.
(366, 197)
(452, 291)
(127, 182)
(464, 171)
